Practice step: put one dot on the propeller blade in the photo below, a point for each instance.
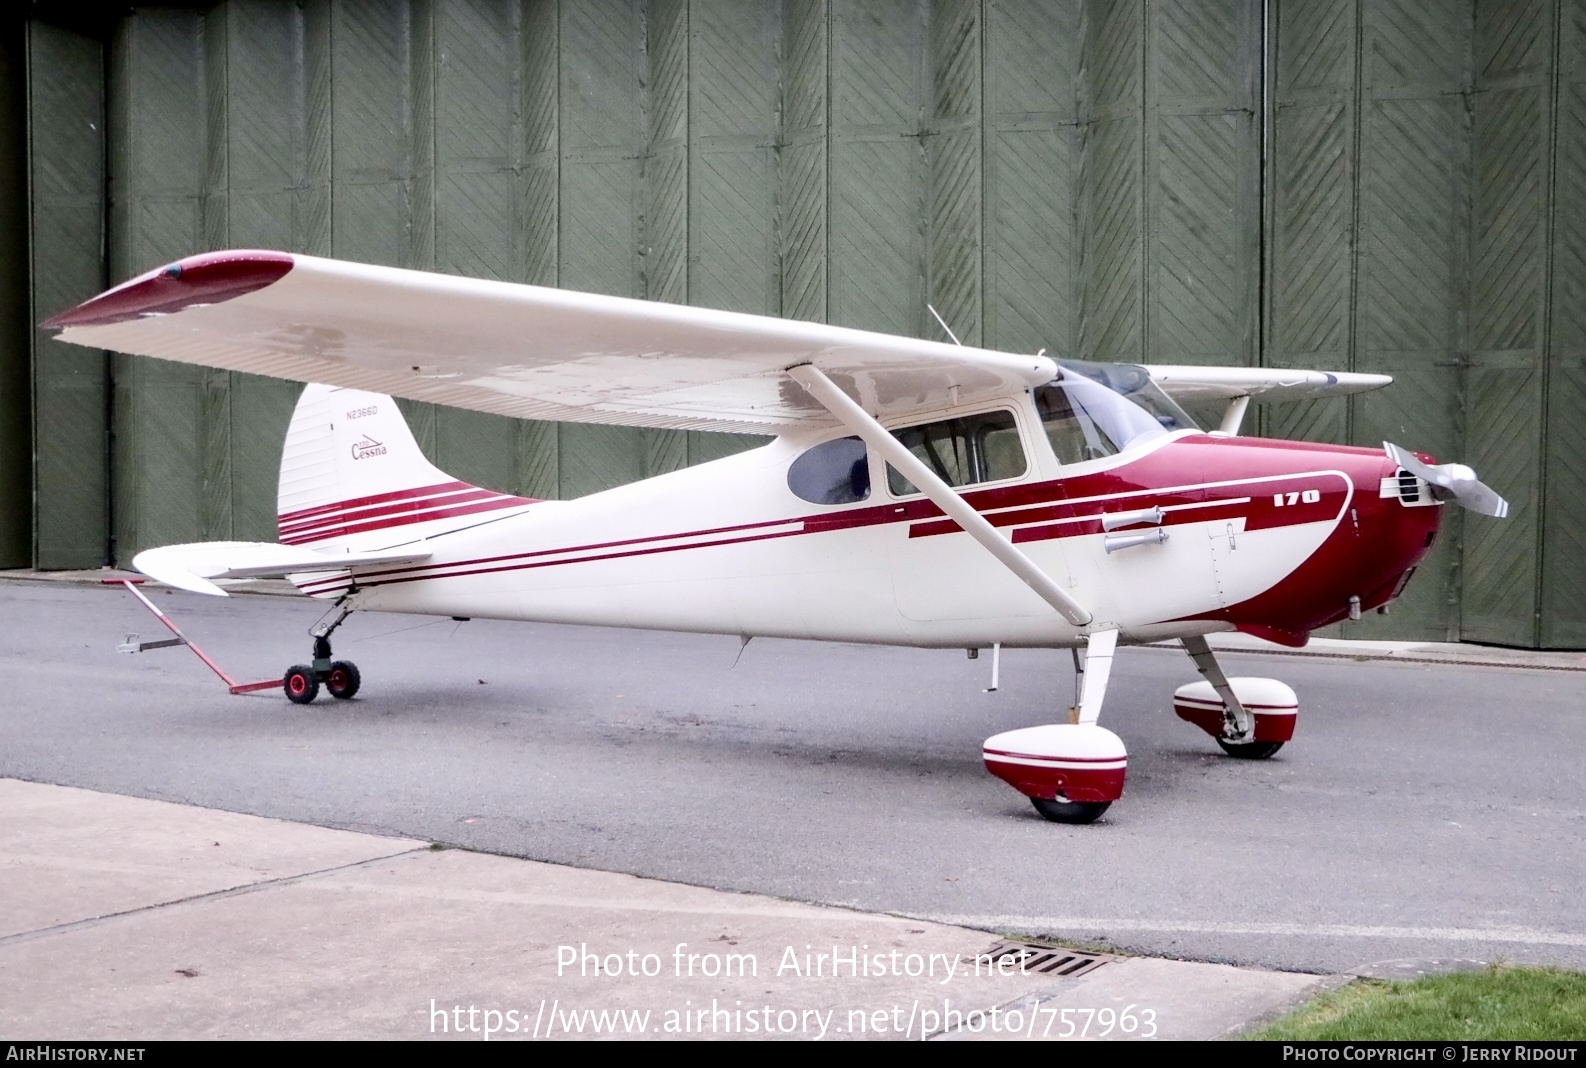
(1451, 482)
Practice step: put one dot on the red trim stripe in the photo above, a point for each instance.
(991, 753)
(313, 529)
(1203, 705)
(378, 498)
(1090, 511)
(602, 545)
(308, 586)
(408, 520)
(872, 517)
(1092, 525)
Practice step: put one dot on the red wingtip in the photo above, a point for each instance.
(207, 278)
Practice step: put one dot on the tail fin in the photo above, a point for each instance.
(353, 478)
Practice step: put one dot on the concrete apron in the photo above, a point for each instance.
(128, 919)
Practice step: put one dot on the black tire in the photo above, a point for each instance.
(343, 680)
(1250, 750)
(1070, 811)
(301, 684)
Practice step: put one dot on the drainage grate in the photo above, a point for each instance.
(1047, 960)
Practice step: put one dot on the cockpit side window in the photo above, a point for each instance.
(1097, 410)
(964, 451)
(833, 472)
(1074, 435)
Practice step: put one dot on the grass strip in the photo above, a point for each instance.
(1503, 1003)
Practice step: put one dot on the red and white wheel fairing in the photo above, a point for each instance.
(1271, 703)
(1072, 761)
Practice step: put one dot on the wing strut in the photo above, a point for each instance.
(1234, 414)
(940, 493)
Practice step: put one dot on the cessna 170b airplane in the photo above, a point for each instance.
(914, 493)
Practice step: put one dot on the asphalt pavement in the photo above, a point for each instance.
(1426, 809)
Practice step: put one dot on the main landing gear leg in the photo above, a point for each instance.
(1237, 724)
(1249, 718)
(1073, 771)
(339, 677)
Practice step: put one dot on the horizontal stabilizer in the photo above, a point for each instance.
(192, 567)
(1188, 385)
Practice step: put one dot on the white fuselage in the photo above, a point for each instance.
(727, 548)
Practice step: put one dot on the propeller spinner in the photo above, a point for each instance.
(1451, 482)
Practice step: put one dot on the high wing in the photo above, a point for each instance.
(1190, 385)
(534, 352)
(521, 350)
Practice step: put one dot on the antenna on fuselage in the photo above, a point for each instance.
(945, 327)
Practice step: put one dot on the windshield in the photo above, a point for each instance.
(1099, 409)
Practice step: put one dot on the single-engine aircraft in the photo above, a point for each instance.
(915, 492)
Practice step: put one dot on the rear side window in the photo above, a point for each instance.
(963, 452)
(833, 472)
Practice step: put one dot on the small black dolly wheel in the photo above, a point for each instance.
(301, 684)
(1060, 811)
(1250, 750)
(343, 680)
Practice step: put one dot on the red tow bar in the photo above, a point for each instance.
(133, 646)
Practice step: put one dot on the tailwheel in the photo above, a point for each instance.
(1249, 750)
(343, 680)
(1059, 811)
(301, 684)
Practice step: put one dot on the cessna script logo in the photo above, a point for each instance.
(362, 450)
